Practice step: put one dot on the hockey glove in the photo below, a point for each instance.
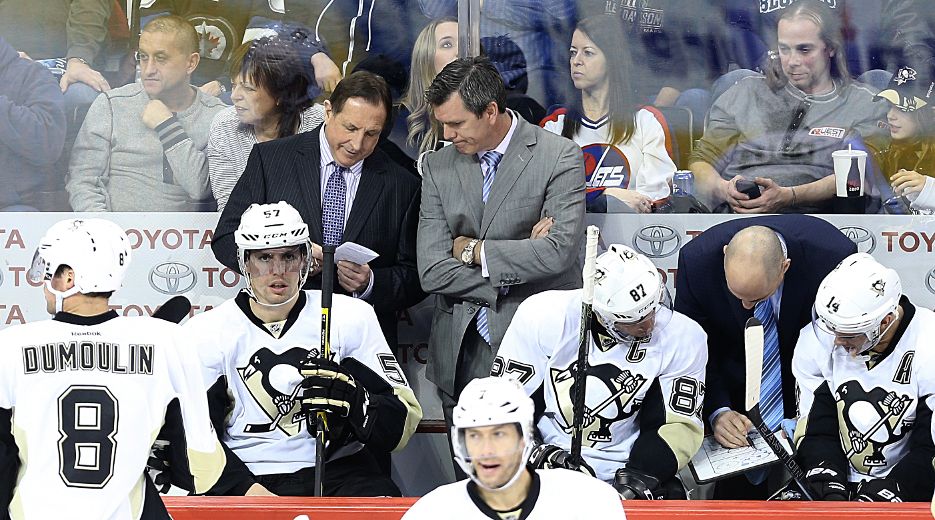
(329, 388)
(878, 490)
(550, 456)
(632, 484)
(826, 483)
(158, 466)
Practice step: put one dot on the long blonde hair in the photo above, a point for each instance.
(423, 129)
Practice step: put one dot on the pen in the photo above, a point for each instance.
(750, 440)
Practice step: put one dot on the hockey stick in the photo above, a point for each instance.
(753, 349)
(873, 429)
(584, 341)
(327, 291)
(174, 309)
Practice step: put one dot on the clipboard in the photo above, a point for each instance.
(714, 462)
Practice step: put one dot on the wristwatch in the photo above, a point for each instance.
(467, 254)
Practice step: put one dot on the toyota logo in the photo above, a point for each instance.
(172, 278)
(864, 239)
(930, 280)
(657, 241)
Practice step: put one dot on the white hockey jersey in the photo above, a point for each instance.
(262, 377)
(88, 397)
(644, 401)
(554, 494)
(642, 163)
(880, 412)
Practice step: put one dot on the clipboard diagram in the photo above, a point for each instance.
(714, 462)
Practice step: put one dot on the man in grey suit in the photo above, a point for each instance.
(502, 218)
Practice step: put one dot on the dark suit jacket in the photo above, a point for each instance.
(384, 216)
(815, 248)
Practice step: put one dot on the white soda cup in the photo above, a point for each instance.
(842, 166)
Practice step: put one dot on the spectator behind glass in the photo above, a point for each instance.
(436, 46)
(32, 129)
(909, 162)
(635, 168)
(270, 94)
(511, 63)
(141, 148)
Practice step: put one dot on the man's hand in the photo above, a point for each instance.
(257, 490)
(211, 88)
(632, 484)
(329, 388)
(907, 181)
(155, 113)
(327, 74)
(550, 456)
(730, 429)
(541, 229)
(878, 490)
(24, 55)
(353, 277)
(78, 72)
(773, 197)
(826, 483)
(317, 259)
(458, 245)
(637, 201)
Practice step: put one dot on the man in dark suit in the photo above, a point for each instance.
(723, 275)
(502, 218)
(347, 191)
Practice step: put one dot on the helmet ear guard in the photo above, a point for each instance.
(492, 401)
(854, 300)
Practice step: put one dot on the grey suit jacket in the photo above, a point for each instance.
(541, 174)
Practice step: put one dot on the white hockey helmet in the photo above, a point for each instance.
(271, 226)
(853, 300)
(97, 250)
(492, 401)
(627, 290)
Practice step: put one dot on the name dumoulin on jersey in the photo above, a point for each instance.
(81, 401)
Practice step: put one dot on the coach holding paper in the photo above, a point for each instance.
(765, 267)
(347, 191)
(502, 218)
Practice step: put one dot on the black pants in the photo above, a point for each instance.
(357, 475)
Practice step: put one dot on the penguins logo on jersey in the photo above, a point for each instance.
(610, 398)
(274, 382)
(868, 422)
(605, 166)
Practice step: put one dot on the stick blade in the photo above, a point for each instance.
(753, 352)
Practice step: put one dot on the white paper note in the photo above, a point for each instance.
(354, 253)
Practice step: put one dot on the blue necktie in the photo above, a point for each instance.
(771, 408)
(489, 162)
(332, 208)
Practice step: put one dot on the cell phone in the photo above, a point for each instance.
(750, 188)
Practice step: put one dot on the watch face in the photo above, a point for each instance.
(467, 255)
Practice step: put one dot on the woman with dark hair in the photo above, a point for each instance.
(626, 147)
(270, 83)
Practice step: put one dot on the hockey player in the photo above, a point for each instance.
(253, 348)
(86, 392)
(645, 377)
(492, 436)
(863, 370)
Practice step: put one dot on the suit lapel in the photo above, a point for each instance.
(467, 168)
(369, 189)
(513, 164)
(308, 164)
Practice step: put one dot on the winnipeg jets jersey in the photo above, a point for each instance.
(875, 405)
(642, 163)
(88, 396)
(647, 395)
(261, 372)
(554, 493)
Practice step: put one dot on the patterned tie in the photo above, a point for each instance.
(771, 407)
(332, 208)
(489, 162)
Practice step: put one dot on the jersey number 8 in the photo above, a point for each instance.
(87, 422)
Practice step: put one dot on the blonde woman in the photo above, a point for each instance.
(435, 47)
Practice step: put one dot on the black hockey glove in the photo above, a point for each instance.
(158, 466)
(328, 387)
(550, 456)
(878, 490)
(826, 483)
(633, 484)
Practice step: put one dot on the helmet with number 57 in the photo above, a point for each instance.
(857, 303)
(629, 294)
(97, 250)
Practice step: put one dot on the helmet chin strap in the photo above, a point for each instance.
(60, 296)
